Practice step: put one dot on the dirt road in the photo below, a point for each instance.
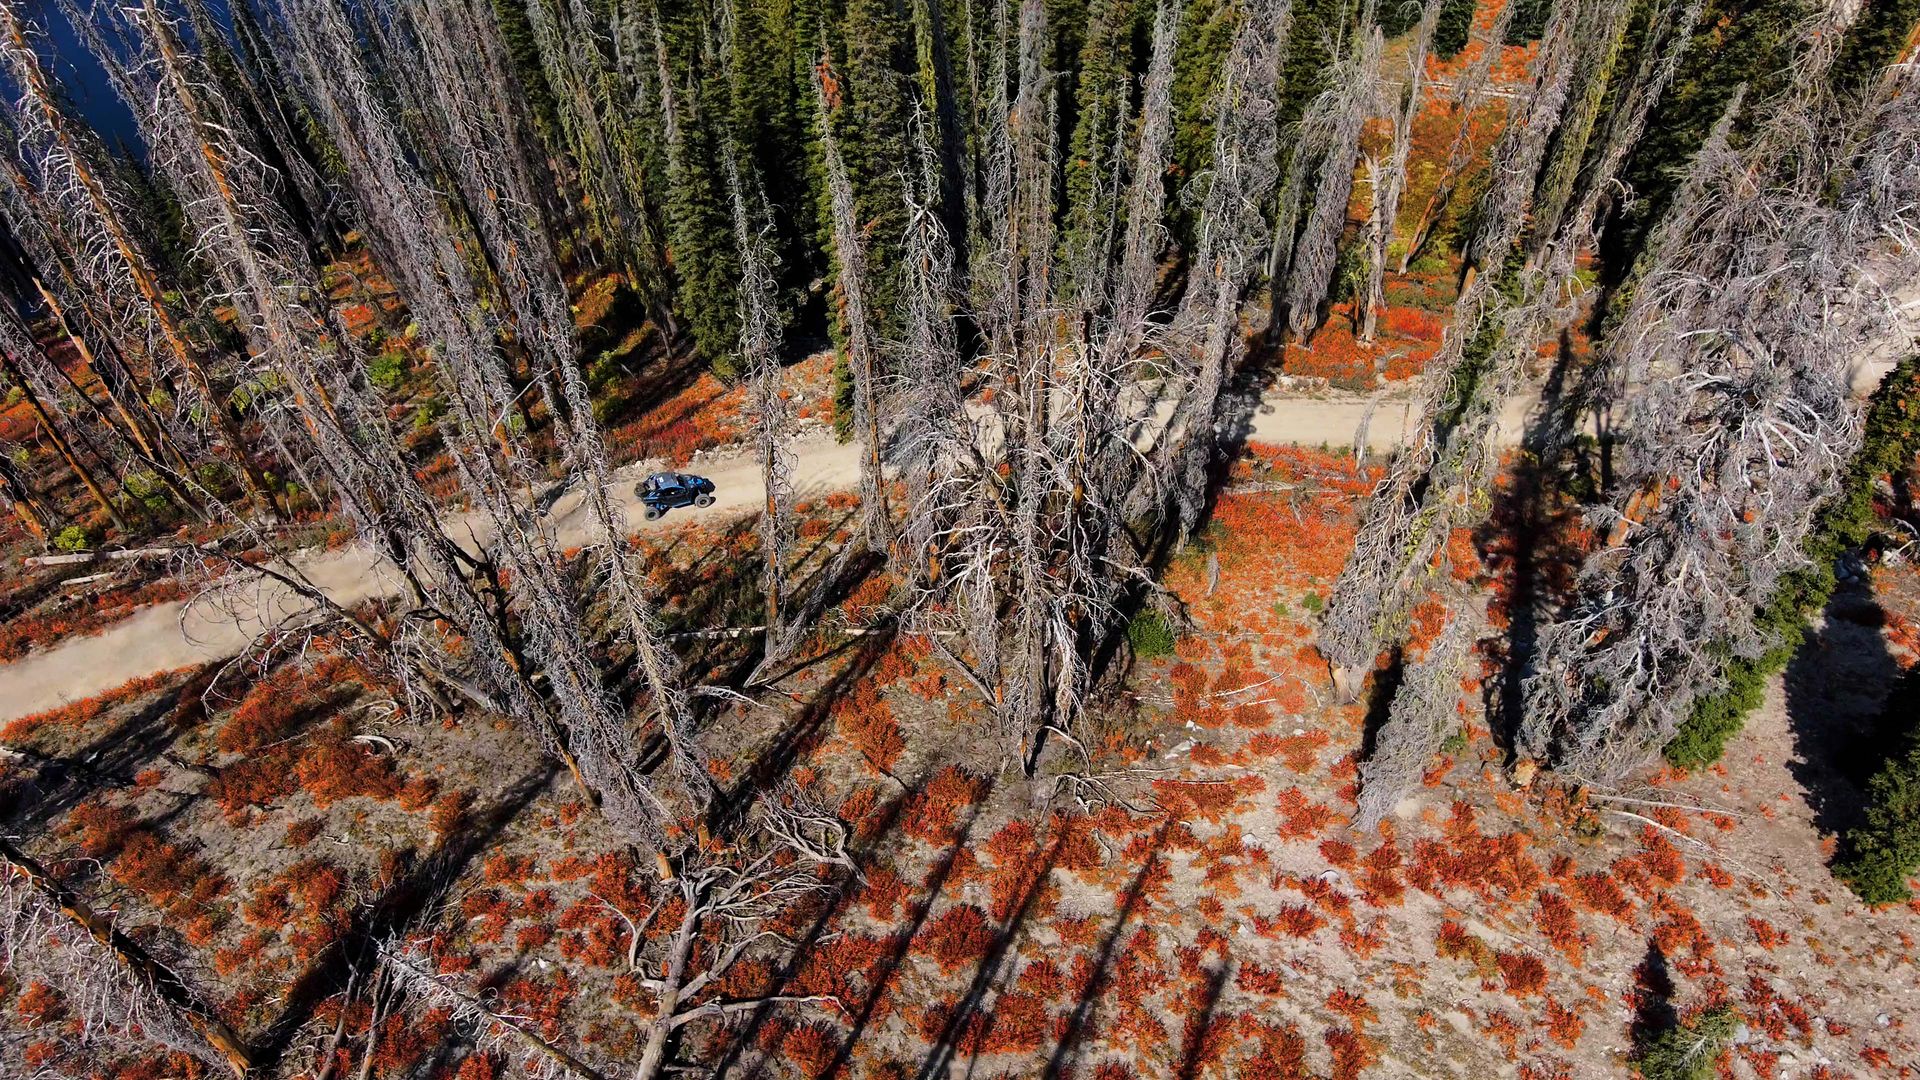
(174, 635)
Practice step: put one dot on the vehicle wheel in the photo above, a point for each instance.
(652, 513)
(703, 500)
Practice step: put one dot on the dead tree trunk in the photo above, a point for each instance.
(50, 426)
(1232, 231)
(1391, 181)
(772, 412)
(93, 209)
(1467, 93)
(1343, 111)
(33, 512)
(38, 913)
(863, 360)
(1440, 480)
(1765, 282)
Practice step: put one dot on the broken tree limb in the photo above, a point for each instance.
(156, 982)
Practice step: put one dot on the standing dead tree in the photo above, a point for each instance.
(1388, 180)
(489, 455)
(27, 367)
(1600, 40)
(1469, 90)
(116, 992)
(1334, 122)
(574, 56)
(48, 256)
(1018, 498)
(1425, 710)
(263, 271)
(1207, 336)
(35, 515)
(863, 357)
(490, 144)
(119, 283)
(772, 411)
(707, 910)
(1767, 278)
(1440, 480)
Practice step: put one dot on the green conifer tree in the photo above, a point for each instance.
(1101, 114)
(1738, 42)
(693, 103)
(871, 124)
(1450, 34)
(1875, 40)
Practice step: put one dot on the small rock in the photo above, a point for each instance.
(1524, 772)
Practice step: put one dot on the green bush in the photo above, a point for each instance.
(604, 369)
(1688, 1051)
(388, 370)
(1880, 855)
(842, 398)
(146, 489)
(1150, 636)
(430, 410)
(1313, 603)
(1889, 442)
(74, 538)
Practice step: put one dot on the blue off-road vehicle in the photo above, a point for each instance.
(666, 491)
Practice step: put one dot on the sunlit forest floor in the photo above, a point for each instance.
(1205, 909)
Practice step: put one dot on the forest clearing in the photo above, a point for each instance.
(1302, 539)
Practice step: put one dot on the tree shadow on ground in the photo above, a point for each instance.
(1380, 693)
(792, 741)
(1080, 1022)
(1537, 561)
(989, 973)
(60, 782)
(1654, 1011)
(418, 890)
(1200, 1023)
(829, 915)
(1836, 685)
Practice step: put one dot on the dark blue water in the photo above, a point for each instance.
(81, 77)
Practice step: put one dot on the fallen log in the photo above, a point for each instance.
(74, 559)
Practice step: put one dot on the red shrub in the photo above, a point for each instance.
(1255, 979)
(1557, 921)
(1301, 819)
(332, 768)
(86, 710)
(273, 705)
(1203, 801)
(1769, 936)
(1523, 973)
(933, 812)
(1598, 892)
(1292, 920)
(865, 720)
(1563, 1024)
(960, 936)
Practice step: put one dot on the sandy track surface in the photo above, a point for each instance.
(174, 635)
